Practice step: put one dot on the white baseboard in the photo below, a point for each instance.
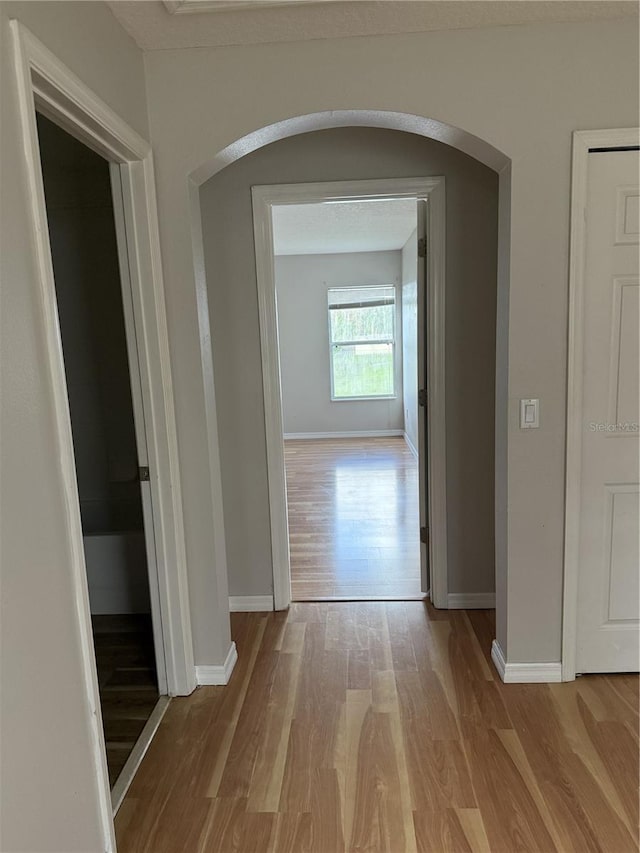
(411, 445)
(360, 433)
(471, 600)
(211, 675)
(524, 673)
(250, 603)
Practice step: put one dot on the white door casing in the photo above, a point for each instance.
(264, 198)
(137, 401)
(45, 83)
(602, 564)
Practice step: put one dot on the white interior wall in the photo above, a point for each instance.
(48, 784)
(302, 282)
(409, 266)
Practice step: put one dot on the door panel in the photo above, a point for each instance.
(609, 560)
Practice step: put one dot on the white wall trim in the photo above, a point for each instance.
(250, 603)
(525, 673)
(471, 600)
(361, 433)
(410, 444)
(430, 189)
(44, 82)
(138, 752)
(582, 142)
(216, 675)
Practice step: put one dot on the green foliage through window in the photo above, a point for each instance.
(362, 339)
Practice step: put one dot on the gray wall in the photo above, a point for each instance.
(302, 282)
(512, 96)
(410, 337)
(341, 154)
(51, 765)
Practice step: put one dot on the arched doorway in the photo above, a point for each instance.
(429, 129)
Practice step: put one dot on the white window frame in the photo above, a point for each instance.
(393, 343)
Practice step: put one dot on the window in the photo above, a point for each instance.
(362, 324)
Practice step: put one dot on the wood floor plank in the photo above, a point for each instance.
(332, 738)
(293, 834)
(326, 812)
(508, 809)
(440, 832)
(378, 822)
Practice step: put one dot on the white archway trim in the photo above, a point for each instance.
(386, 119)
(432, 190)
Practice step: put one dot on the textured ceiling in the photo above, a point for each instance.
(154, 27)
(335, 227)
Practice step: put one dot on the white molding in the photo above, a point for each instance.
(133, 762)
(217, 675)
(361, 433)
(525, 673)
(410, 445)
(42, 81)
(582, 142)
(264, 198)
(250, 603)
(471, 600)
(195, 7)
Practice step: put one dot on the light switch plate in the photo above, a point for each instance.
(529, 413)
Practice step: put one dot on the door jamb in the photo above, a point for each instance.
(432, 189)
(45, 83)
(583, 142)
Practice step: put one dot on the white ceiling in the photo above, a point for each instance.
(336, 227)
(156, 25)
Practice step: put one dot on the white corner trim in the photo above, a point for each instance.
(525, 673)
(410, 445)
(360, 433)
(471, 600)
(250, 603)
(217, 675)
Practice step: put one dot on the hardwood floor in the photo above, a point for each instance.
(127, 681)
(354, 527)
(382, 726)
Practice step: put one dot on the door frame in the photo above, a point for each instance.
(44, 83)
(432, 190)
(583, 142)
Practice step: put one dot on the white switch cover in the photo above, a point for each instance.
(529, 414)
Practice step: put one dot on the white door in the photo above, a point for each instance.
(609, 565)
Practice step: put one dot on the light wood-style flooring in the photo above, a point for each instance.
(354, 528)
(383, 726)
